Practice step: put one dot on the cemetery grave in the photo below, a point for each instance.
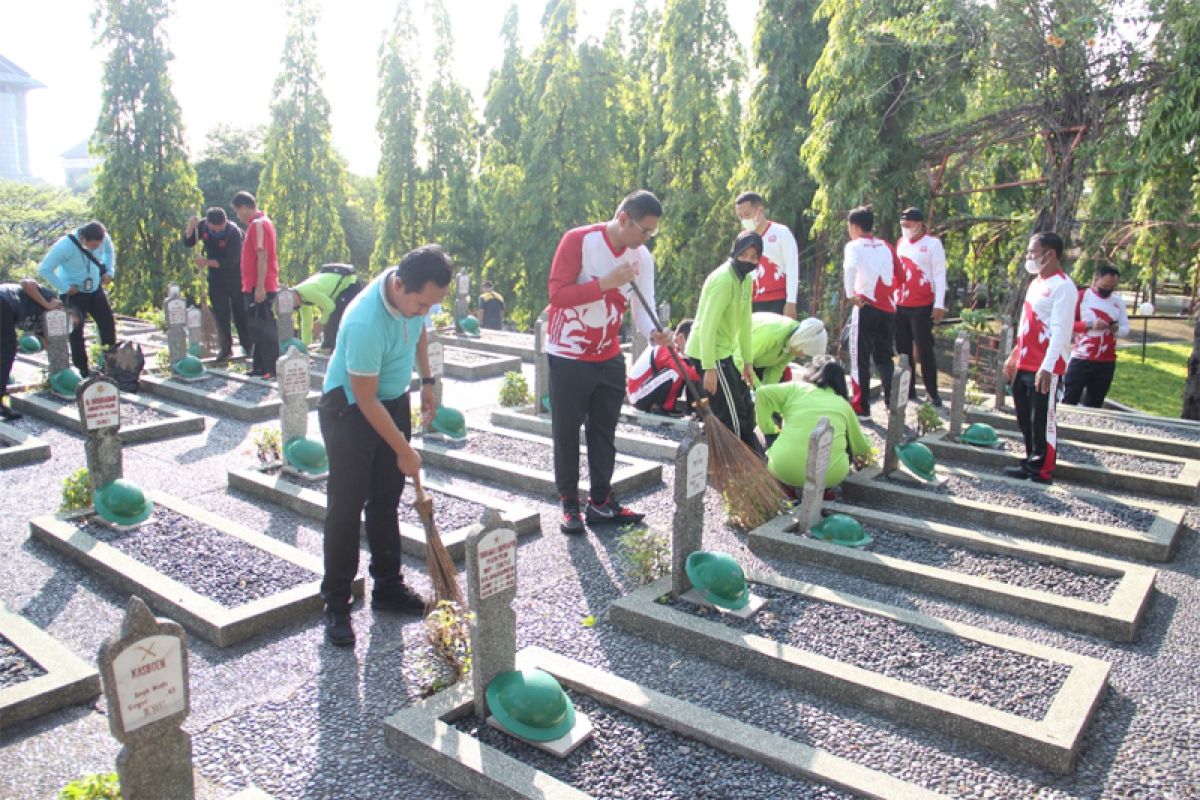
(225, 393)
(18, 447)
(38, 674)
(142, 419)
(1083, 427)
(474, 365)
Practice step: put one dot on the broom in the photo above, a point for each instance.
(442, 571)
(752, 495)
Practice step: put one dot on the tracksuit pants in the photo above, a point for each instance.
(1039, 426)
(916, 325)
(587, 393)
(1087, 382)
(93, 304)
(732, 404)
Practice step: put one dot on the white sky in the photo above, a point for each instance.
(52, 41)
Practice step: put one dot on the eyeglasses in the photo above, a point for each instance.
(645, 233)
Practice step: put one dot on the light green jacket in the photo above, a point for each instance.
(802, 405)
(722, 326)
(318, 294)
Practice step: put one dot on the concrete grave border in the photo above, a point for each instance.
(631, 474)
(1156, 544)
(1117, 619)
(644, 419)
(1052, 743)
(1185, 486)
(23, 448)
(505, 343)
(494, 366)
(293, 494)
(629, 443)
(420, 733)
(210, 620)
(237, 409)
(67, 416)
(1078, 434)
(69, 680)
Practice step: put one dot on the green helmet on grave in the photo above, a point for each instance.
(65, 381)
(531, 704)
(470, 325)
(189, 367)
(306, 455)
(980, 434)
(718, 578)
(194, 349)
(919, 460)
(122, 502)
(296, 343)
(30, 344)
(450, 422)
(841, 529)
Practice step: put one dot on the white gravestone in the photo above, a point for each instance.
(820, 447)
(284, 306)
(687, 524)
(896, 415)
(958, 400)
(176, 313)
(58, 353)
(98, 402)
(437, 368)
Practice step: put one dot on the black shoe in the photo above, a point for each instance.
(611, 512)
(572, 517)
(936, 402)
(338, 629)
(255, 373)
(396, 596)
(1019, 472)
(8, 415)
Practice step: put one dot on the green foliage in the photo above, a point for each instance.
(162, 360)
(448, 630)
(32, 218)
(357, 213)
(232, 162)
(304, 181)
(974, 395)
(154, 315)
(514, 390)
(645, 552)
(442, 319)
(146, 187)
(928, 419)
(1155, 386)
(98, 786)
(76, 491)
(268, 444)
(974, 322)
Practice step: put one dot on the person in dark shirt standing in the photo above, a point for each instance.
(21, 305)
(491, 307)
(222, 260)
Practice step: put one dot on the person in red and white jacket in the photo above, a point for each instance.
(1039, 358)
(920, 298)
(1099, 319)
(777, 279)
(589, 291)
(655, 383)
(872, 273)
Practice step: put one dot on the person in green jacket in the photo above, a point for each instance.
(776, 341)
(721, 330)
(801, 406)
(325, 296)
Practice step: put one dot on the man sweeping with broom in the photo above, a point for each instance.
(366, 424)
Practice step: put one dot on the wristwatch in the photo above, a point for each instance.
(428, 381)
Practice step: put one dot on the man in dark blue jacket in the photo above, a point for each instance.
(222, 260)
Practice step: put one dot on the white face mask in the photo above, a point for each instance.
(749, 224)
(1033, 266)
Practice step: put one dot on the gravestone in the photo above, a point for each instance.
(58, 349)
(491, 588)
(98, 400)
(143, 669)
(820, 445)
(462, 299)
(640, 343)
(687, 525)
(958, 400)
(292, 371)
(195, 330)
(175, 311)
(896, 415)
(541, 368)
(284, 306)
(664, 315)
(437, 368)
(1006, 346)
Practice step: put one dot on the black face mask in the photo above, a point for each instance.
(744, 268)
(1104, 292)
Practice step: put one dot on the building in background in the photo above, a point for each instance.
(14, 141)
(79, 165)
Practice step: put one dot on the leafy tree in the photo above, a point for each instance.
(232, 162)
(396, 212)
(146, 187)
(304, 183)
(33, 216)
(358, 218)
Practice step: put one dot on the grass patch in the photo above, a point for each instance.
(1155, 386)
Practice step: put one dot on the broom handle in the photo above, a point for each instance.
(416, 479)
(670, 348)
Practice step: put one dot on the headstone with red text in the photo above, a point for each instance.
(291, 369)
(285, 304)
(491, 588)
(98, 400)
(175, 311)
(687, 525)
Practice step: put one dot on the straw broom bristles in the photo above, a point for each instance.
(442, 572)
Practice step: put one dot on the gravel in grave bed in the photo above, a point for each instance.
(230, 389)
(1040, 499)
(1013, 570)
(210, 562)
(469, 357)
(632, 759)
(520, 453)
(1107, 423)
(1084, 456)
(1003, 679)
(131, 413)
(15, 666)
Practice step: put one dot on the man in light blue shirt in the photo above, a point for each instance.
(80, 265)
(366, 424)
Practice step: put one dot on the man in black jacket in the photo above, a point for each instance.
(222, 258)
(21, 308)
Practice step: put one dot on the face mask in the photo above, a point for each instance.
(1104, 292)
(744, 268)
(749, 224)
(1033, 266)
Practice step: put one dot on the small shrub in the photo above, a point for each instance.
(974, 322)
(974, 395)
(645, 552)
(442, 319)
(76, 491)
(155, 316)
(514, 390)
(928, 420)
(869, 460)
(162, 360)
(96, 354)
(92, 787)
(268, 445)
(447, 628)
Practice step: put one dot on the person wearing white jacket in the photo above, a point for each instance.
(1100, 319)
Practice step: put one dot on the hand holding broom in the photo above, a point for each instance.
(442, 572)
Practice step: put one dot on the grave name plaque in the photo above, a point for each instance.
(101, 404)
(284, 306)
(491, 588)
(292, 371)
(58, 354)
(98, 403)
(176, 313)
(962, 357)
(820, 445)
(687, 524)
(896, 415)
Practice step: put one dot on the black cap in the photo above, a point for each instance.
(912, 214)
(744, 240)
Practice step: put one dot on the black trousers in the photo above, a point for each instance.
(587, 393)
(225, 297)
(94, 305)
(1035, 415)
(8, 345)
(875, 331)
(916, 325)
(774, 306)
(732, 404)
(1087, 382)
(262, 332)
(365, 480)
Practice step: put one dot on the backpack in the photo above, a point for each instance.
(338, 269)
